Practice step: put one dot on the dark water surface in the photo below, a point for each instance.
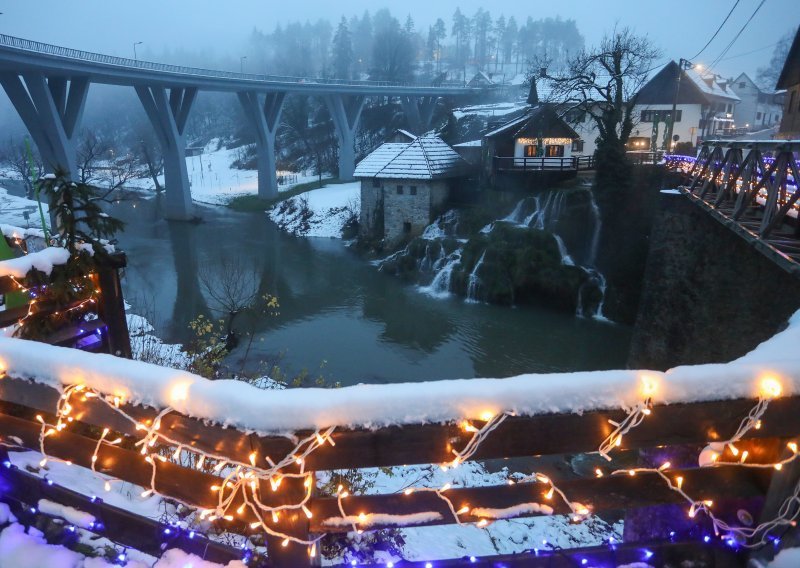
(339, 312)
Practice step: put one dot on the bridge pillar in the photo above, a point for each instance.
(168, 111)
(264, 113)
(419, 112)
(51, 108)
(346, 112)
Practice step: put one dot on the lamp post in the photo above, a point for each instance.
(135, 57)
(241, 63)
(683, 65)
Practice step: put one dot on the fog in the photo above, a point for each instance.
(219, 30)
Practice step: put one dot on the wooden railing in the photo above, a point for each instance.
(99, 326)
(521, 164)
(669, 432)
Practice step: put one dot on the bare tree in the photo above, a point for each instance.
(24, 162)
(604, 82)
(232, 285)
(100, 165)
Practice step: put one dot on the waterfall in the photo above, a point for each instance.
(562, 248)
(474, 281)
(440, 286)
(516, 215)
(595, 279)
(598, 225)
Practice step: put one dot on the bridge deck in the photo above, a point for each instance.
(18, 54)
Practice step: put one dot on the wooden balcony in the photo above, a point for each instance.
(571, 164)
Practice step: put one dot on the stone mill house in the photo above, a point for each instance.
(405, 186)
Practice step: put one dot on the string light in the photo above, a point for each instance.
(239, 489)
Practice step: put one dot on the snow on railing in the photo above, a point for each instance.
(245, 407)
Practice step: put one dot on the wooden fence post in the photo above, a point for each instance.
(292, 522)
(111, 308)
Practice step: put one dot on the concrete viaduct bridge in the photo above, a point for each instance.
(48, 85)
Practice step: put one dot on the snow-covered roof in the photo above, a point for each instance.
(427, 157)
(710, 85)
(489, 110)
(470, 144)
(539, 121)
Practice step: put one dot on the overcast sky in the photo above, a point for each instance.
(679, 27)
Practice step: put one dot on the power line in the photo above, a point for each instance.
(749, 52)
(716, 32)
(736, 37)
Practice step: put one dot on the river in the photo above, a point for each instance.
(339, 317)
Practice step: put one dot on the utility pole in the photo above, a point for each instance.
(135, 57)
(683, 65)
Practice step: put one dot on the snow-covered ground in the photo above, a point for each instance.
(215, 181)
(320, 212)
(13, 210)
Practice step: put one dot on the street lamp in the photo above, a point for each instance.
(135, 58)
(241, 63)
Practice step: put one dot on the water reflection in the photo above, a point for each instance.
(339, 312)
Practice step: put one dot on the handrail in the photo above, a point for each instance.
(544, 163)
(88, 56)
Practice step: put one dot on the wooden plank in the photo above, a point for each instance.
(180, 483)
(609, 493)
(119, 525)
(699, 554)
(673, 424)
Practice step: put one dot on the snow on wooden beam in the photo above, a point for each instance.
(242, 406)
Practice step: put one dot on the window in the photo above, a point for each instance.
(376, 182)
(758, 116)
(399, 190)
(413, 190)
(554, 151)
(577, 145)
(660, 115)
(575, 116)
(742, 85)
(530, 151)
(407, 227)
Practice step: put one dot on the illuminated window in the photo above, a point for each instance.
(530, 151)
(554, 151)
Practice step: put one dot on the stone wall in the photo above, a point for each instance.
(709, 294)
(405, 214)
(370, 221)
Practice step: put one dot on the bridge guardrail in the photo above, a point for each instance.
(80, 55)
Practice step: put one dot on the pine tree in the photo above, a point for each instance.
(342, 51)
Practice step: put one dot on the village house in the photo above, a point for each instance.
(758, 109)
(538, 145)
(405, 186)
(705, 106)
(790, 81)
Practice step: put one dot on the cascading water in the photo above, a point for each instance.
(598, 226)
(442, 282)
(473, 284)
(562, 248)
(543, 212)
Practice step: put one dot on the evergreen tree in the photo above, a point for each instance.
(510, 39)
(439, 33)
(342, 51)
(481, 26)
(499, 34)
